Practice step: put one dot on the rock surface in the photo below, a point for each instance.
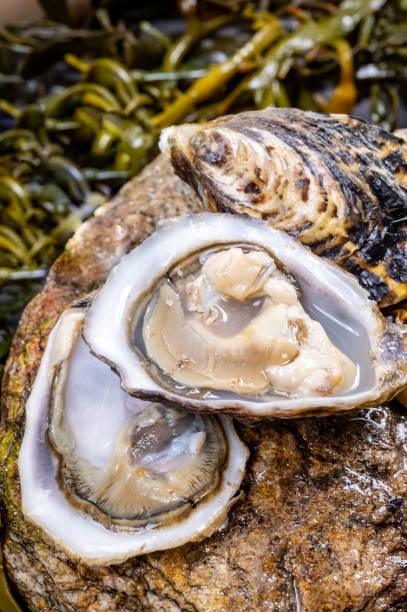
(321, 525)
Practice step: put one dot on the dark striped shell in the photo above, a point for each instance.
(397, 313)
(337, 183)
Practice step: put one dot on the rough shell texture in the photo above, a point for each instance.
(398, 313)
(323, 523)
(335, 182)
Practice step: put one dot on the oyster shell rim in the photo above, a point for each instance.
(146, 387)
(38, 502)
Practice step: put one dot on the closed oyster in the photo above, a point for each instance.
(124, 477)
(237, 317)
(335, 182)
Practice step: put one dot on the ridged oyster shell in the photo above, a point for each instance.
(336, 183)
(331, 295)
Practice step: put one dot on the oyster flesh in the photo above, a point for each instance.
(238, 317)
(337, 183)
(125, 477)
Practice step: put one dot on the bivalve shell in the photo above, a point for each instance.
(330, 297)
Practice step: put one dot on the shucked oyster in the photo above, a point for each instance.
(235, 316)
(247, 330)
(335, 182)
(321, 519)
(126, 477)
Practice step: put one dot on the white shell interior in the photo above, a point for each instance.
(103, 401)
(93, 395)
(329, 294)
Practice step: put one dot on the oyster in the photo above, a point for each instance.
(322, 519)
(247, 330)
(337, 183)
(237, 317)
(127, 477)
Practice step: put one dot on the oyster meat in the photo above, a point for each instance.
(247, 331)
(337, 183)
(126, 477)
(238, 317)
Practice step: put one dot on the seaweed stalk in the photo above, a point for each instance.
(219, 75)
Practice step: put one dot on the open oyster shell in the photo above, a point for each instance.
(312, 485)
(335, 182)
(109, 476)
(331, 298)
